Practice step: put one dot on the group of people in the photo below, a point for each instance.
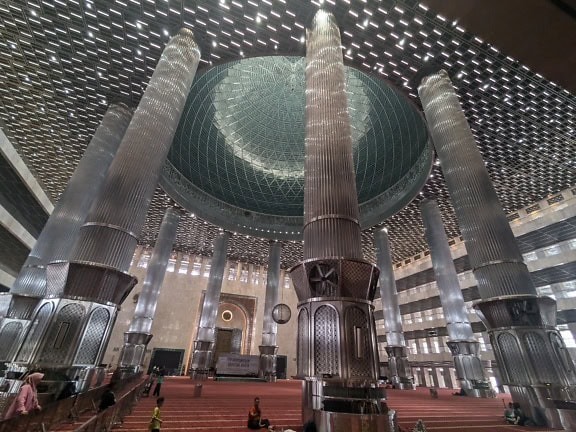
(514, 415)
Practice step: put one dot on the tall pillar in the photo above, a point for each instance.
(529, 349)
(202, 357)
(72, 325)
(61, 229)
(336, 346)
(139, 333)
(399, 369)
(268, 349)
(464, 347)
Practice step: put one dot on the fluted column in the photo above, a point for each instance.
(268, 349)
(85, 291)
(529, 349)
(337, 350)
(399, 370)
(138, 336)
(61, 229)
(464, 347)
(202, 357)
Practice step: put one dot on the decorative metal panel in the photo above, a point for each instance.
(62, 334)
(512, 358)
(9, 336)
(93, 337)
(35, 332)
(561, 352)
(543, 364)
(326, 341)
(303, 342)
(355, 318)
(236, 341)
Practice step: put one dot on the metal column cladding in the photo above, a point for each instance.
(61, 230)
(491, 246)
(330, 200)
(388, 294)
(268, 349)
(337, 349)
(455, 312)
(148, 298)
(269, 326)
(110, 234)
(530, 352)
(206, 336)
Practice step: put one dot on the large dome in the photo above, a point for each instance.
(237, 159)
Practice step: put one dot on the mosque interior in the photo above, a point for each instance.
(236, 163)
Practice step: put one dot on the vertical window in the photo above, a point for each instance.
(144, 258)
(184, 263)
(286, 281)
(232, 271)
(207, 267)
(244, 273)
(255, 275)
(171, 263)
(196, 266)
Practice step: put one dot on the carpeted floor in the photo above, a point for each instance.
(223, 406)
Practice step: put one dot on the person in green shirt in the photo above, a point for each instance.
(156, 420)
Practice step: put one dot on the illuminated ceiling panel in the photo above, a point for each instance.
(62, 62)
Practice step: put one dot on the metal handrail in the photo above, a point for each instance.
(114, 415)
(60, 411)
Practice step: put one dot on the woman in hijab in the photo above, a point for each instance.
(27, 399)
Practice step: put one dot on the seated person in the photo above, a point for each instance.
(255, 420)
(509, 415)
(108, 399)
(521, 418)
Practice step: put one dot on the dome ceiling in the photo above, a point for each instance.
(237, 159)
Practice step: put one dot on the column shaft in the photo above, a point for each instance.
(61, 229)
(529, 350)
(139, 333)
(268, 348)
(398, 365)
(202, 357)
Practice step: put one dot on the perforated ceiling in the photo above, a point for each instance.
(62, 62)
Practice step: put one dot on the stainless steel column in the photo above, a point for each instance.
(337, 350)
(464, 347)
(529, 350)
(139, 333)
(61, 229)
(83, 294)
(268, 349)
(399, 369)
(206, 337)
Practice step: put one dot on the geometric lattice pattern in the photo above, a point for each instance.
(360, 361)
(62, 63)
(92, 338)
(326, 341)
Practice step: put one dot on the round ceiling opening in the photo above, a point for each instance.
(237, 159)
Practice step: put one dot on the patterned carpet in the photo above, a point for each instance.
(223, 406)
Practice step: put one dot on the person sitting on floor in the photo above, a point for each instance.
(255, 420)
(107, 399)
(521, 418)
(509, 415)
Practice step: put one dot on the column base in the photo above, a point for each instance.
(532, 357)
(268, 362)
(201, 362)
(399, 368)
(469, 369)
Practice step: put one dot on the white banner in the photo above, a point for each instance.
(238, 364)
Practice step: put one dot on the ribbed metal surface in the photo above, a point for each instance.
(388, 294)
(512, 359)
(61, 230)
(133, 176)
(303, 342)
(543, 363)
(457, 322)
(269, 326)
(331, 227)
(148, 298)
(212, 296)
(489, 239)
(9, 335)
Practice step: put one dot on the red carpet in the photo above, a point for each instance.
(224, 406)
